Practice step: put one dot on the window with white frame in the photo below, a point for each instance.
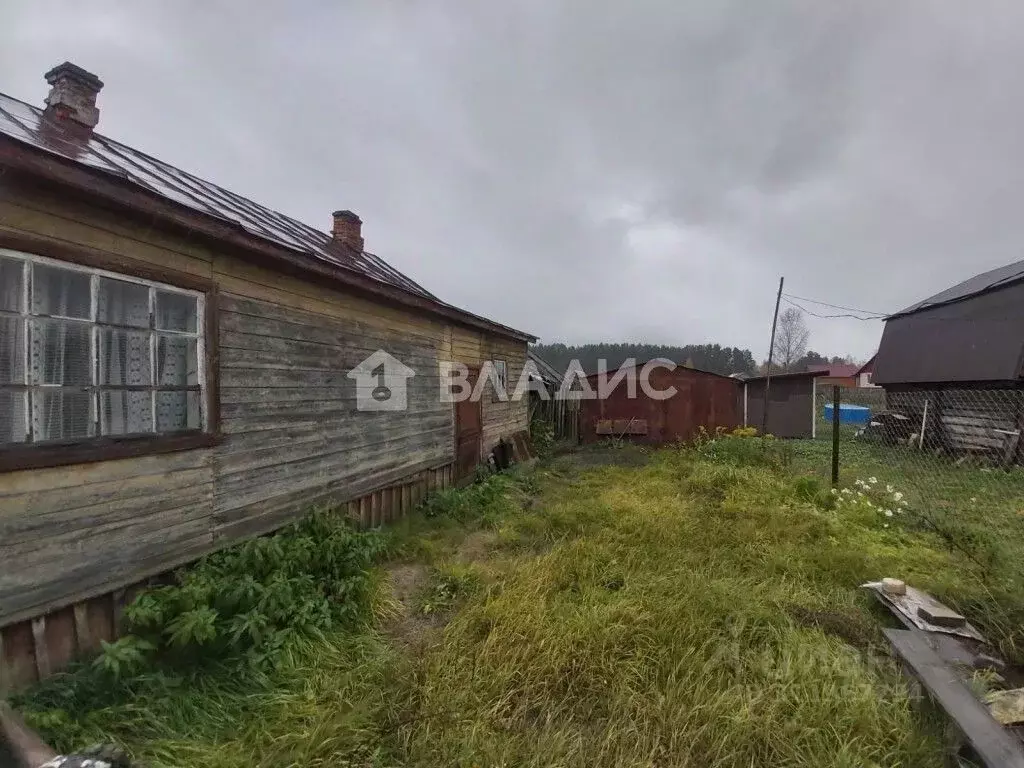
(86, 353)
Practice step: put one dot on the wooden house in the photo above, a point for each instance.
(954, 364)
(176, 374)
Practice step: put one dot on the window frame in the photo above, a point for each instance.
(27, 455)
(500, 392)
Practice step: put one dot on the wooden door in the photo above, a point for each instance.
(468, 431)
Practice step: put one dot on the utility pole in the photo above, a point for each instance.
(771, 353)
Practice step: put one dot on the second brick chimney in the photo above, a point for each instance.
(72, 98)
(348, 229)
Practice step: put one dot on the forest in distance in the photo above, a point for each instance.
(706, 357)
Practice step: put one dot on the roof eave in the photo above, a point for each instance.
(794, 375)
(21, 157)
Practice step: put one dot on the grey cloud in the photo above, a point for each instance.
(591, 170)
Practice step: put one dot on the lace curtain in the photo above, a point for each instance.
(104, 357)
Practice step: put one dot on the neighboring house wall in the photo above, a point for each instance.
(291, 434)
(864, 380)
(837, 381)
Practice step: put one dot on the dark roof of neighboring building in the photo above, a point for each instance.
(835, 370)
(986, 281)
(26, 124)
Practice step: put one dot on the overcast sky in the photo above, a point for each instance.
(589, 170)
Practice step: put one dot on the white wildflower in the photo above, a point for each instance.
(860, 493)
(974, 500)
(888, 513)
(846, 491)
(868, 502)
(872, 480)
(885, 525)
(898, 496)
(834, 492)
(888, 488)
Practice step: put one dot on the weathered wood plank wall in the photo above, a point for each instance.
(293, 436)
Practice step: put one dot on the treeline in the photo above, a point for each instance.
(706, 357)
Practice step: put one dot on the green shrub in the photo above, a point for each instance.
(739, 449)
(250, 599)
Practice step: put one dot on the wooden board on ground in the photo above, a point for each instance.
(621, 427)
(996, 746)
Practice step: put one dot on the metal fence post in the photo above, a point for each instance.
(835, 436)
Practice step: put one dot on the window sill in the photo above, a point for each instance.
(101, 449)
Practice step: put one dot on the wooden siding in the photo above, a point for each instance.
(36, 648)
(288, 409)
(292, 434)
(502, 419)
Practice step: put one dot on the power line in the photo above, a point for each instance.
(836, 306)
(815, 314)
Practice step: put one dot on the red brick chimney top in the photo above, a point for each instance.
(348, 229)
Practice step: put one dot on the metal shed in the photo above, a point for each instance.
(792, 398)
(702, 399)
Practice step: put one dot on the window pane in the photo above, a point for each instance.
(176, 312)
(126, 413)
(60, 353)
(60, 292)
(177, 361)
(12, 417)
(12, 288)
(12, 350)
(125, 358)
(176, 411)
(61, 414)
(121, 303)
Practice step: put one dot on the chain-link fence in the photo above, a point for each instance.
(950, 457)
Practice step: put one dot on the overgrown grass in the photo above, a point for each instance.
(975, 512)
(696, 607)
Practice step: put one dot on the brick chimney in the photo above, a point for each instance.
(348, 230)
(72, 99)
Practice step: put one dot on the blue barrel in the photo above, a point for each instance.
(849, 414)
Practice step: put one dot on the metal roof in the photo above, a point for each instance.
(24, 123)
(986, 281)
(544, 368)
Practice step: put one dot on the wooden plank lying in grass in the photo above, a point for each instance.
(994, 744)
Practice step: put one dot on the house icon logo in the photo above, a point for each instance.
(381, 383)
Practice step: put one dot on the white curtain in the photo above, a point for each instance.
(124, 357)
(60, 354)
(12, 351)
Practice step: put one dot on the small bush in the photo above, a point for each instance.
(742, 448)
